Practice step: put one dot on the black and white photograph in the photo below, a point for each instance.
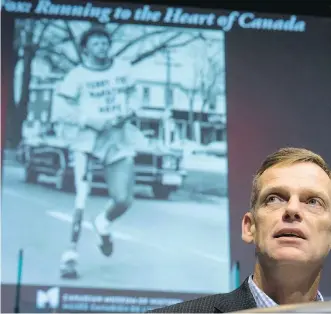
(115, 164)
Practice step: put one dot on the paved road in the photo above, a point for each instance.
(159, 245)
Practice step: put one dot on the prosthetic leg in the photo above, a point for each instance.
(69, 259)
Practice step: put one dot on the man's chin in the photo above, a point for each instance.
(289, 255)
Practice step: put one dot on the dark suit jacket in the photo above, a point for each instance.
(237, 300)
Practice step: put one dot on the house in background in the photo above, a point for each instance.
(180, 92)
(186, 115)
(182, 119)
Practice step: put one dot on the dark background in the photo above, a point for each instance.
(304, 7)
(278, 94)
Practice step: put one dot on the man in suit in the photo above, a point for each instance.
(289, 223)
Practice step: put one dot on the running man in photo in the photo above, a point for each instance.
(96, 92)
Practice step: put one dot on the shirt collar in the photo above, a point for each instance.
(262, 300)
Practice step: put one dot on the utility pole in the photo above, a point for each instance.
(169, 64)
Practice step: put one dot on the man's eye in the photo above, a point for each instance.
(314, 202)
(272, 199)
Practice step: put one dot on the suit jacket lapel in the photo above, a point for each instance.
(237, 300)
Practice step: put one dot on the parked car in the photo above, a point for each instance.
(156, 166)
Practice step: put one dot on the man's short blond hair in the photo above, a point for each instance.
(283, 157)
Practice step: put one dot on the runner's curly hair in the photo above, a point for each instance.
(94, 31)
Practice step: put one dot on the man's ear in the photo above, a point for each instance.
(248, 228)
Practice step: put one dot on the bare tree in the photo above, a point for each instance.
(49, 40)
(208, 77)
(26, 45)
(192, 93)
(212, 83)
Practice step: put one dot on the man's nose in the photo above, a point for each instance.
(293, 210)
